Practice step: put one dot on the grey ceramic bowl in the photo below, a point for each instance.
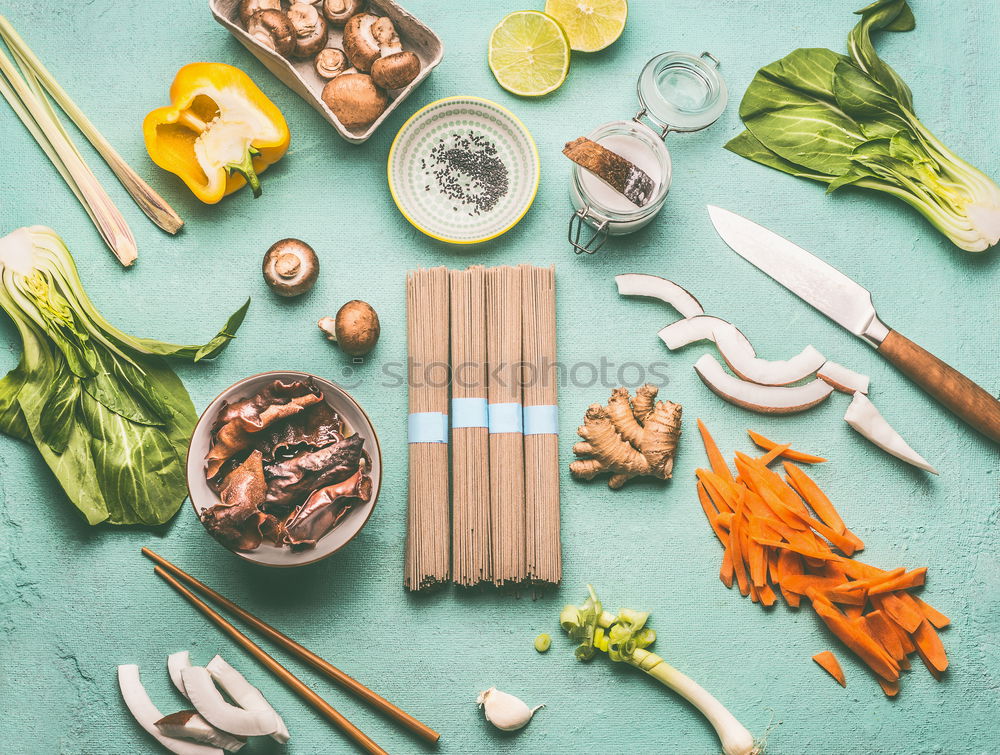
(203, 497)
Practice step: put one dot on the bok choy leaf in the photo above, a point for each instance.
(849, 120)
(108, 415)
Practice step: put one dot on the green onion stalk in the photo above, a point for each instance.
(624, 639)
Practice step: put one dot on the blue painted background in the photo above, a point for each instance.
(76, 601)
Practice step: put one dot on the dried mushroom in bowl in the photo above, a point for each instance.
(286, 469)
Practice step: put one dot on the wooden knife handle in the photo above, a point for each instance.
(945, 384)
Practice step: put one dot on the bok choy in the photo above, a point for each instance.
(849, 120)
(108, 415)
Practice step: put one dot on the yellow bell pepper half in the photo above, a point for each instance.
(218, 133)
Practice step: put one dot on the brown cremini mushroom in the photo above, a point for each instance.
(360, 43)
(395, 71)
(290, 267)
(273, 30)
(330, 62)
(355, 100)
(338, 12)
(310, 29)
(250, 7)
(355, 329)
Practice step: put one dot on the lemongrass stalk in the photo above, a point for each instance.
(108, 220)
(149, 201)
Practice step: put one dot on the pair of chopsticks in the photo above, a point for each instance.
(174, 576)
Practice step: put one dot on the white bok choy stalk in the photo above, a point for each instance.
(624, 638)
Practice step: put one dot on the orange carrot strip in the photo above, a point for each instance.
(880, 628)
(757, 554)
(807, 552)
(726, 570)
(760, 488)
(905, 581)
(799, 583)
(789, 565)
(846, 545)
(903, 613)
(934, 616)
(829, 663)
(804, 485)
(858, 641)
(930, 648)
(866, 583)
(718, 489)
(891, 689)
(715, 459)
(725, 520)
(854, 611)
(711, 514)
(758, 507)
(788, 453)
(754, 593)
(736, 548)
(773, 454)
(775, 483)
(774, 573)
(767, 596)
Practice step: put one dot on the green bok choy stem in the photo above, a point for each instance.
(624, 638)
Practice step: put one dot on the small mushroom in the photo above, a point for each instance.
(364, 36)
(290, 267)
(273, 30)
(310, 29)
(330, 62)
(338, 12)
(385, 34)
(396, 71)
(250, 7)
(355, 329)
(355, 100)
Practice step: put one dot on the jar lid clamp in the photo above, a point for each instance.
(681, 92)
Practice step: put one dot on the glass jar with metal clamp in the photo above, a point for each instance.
(677, 92)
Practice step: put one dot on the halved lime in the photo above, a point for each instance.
(529, 53)
(591, 25)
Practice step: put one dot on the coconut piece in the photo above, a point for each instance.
(742, 359)
(190, 725)
(208, 701)
(146, 714)
(865, 418)
(628, 179)
(842, 378)
(176, 662)
(655, 287)
(767, 399)
(244, 693)
(691, 329)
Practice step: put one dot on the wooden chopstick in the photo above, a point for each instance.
(351, 685)
(286, 676)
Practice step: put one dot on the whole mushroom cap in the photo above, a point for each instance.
(290, 267)
(273, 29)
(310, 29)
(396, 71)
(330, 62)
(355, 100)
(359, 42)
(338, 12)
(249, 7)
(357, 328)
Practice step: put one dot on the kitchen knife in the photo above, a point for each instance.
(850, 306)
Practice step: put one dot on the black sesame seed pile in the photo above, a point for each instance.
(467, 170)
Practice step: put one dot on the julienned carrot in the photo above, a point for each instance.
(829, 663)
(715, 458)
(891, 689)
(788, 453)
(905, 581)
(775, 541)
(934, 616)
(774, 453)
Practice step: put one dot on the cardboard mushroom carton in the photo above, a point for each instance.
(301, 75)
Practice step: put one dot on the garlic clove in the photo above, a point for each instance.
(504, 711)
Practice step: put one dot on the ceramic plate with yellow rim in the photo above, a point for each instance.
(463, 170)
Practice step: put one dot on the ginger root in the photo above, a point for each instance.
(628, 438)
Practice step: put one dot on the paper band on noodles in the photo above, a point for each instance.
(427, 427)
(506, 418)
(469, 412)
(541, 420)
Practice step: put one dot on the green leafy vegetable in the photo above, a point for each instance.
(849, 120)
(104, 409)
(627, 638)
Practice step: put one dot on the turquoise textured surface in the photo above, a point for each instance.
(75, 601)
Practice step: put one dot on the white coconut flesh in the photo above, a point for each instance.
(146, 714)
(866, 419)
(244, 694)
(504, 711)
(176, 662)
(191, 725)
(767, 399)
(691, 330)
(741, 358)
(209, 702)
(655, 287)
(843, 379)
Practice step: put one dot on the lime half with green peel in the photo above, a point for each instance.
(591, 25)
(529, 53)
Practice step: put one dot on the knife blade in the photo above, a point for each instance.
(823, 286)
(850, 305)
